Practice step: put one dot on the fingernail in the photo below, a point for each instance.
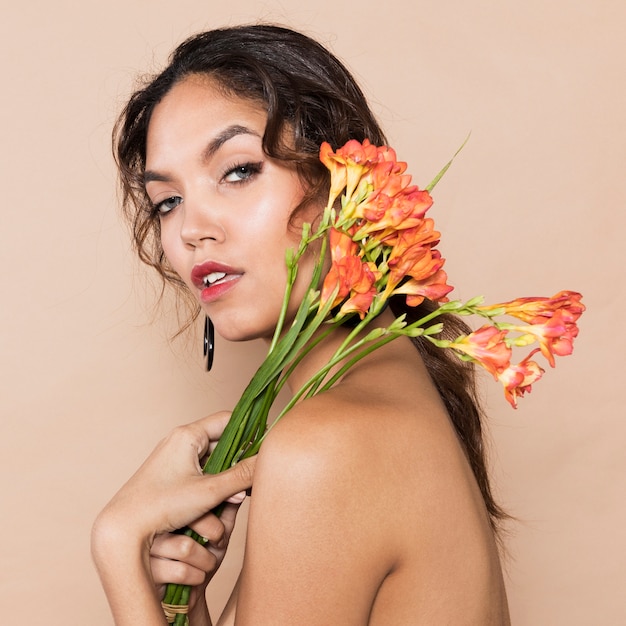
(238, 498)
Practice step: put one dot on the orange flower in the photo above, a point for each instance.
(404, 210)
(551, 321)
(409, 208)
(341, 244)
(412, 253)
(536, 310)
(347, 165)
(555, 335)
(435, 288)
(365, 153)
(366, 169)
(387, 175)
(518, 379)
(363, 289)
(485, 346)
(337, 169)
(351, 276)
(382, 221)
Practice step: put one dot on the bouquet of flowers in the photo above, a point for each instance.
(381, 245)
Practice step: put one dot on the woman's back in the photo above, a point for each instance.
(365, 510)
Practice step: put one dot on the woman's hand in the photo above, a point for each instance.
(176, 558)
(169, 491)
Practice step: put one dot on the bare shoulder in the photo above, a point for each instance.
(368, 438)
(357, 502)
(374, 426)
(378, 448)
(327, 451)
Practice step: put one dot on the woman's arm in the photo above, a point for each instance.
(169, 491)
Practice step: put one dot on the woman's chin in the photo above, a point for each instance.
(238, 335)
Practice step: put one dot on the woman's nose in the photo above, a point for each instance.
(200, 222)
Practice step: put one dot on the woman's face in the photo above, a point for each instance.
(224, 206)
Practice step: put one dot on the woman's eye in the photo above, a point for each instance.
(165, 206)
(242, 173)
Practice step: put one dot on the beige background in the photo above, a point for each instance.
(534, 204)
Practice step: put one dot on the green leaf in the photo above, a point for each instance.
(445, 168)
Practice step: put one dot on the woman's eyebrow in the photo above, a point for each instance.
(214, 145)
(228, 133)
(150, 176)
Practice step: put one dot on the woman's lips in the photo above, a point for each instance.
(214, 279)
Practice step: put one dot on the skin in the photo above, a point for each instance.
(365, 510)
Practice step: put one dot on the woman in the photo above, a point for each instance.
(371, 501)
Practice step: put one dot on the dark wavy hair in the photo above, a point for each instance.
(308, 92)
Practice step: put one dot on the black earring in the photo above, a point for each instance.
(209, 342)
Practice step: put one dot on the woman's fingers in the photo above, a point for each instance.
(210, 527)
(180, 559)
(197, 438)
(183, 549)
(166, 571)
(230, 485)
(169, 490)
(218, 531)
(237, 479)
(214, 424)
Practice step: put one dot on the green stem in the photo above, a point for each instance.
(356, 359)
(292, 270)
(312, 344)
(311, 385)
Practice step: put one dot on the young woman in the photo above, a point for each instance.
(371, 501)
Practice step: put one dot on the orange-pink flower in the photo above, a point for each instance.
(363, 290)
(380, 206)
(536, 310)
(383, 216)
(353, 277)
(341, 244)
(387, 175)
(337, 169)
(487, 347)
(347, 165)
(413, 257)
(518, 379)
(435, 288)
(381, 228)
(349, 275)
(551, 321)
(555, 335)
(412, 253)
